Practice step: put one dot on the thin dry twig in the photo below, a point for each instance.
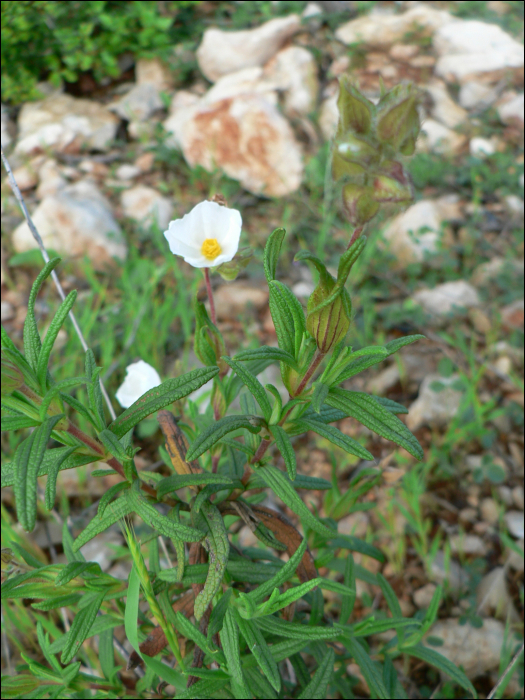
(54, 276)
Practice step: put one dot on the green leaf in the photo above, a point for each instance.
(115, 511)
(159, 522)
(218, 430)
(335, 436)
(27, 460)
(230, 646)
(358, 366)
(258, 647)
(218, 547)
(395, 345)
(370, 413)
(440, 662)
(266, 352)
(318, 686)
(390, 405)
(32, 342)
(286, 449)
(319, 395)
(348, 258)
(348, 601)
(287, 571)
(217, 614)
(294, 630)
(161, 396)
(282, 487)
(179, 481)
(253, 384)
(51, 335)
(79, 407)
(392, 602)
(49, 463)
(112, 445)
(94, 392)
(55, 390)
(109, 495)
(79, 630)
(296, 310)
(52, 474)
(368, 668)
(272, 250)
(300, 482)
(355, 544)
(18, 423)
(282, 320)
(74, 569)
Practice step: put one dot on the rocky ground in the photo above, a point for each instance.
(101, 167)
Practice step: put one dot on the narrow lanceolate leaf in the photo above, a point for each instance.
(95, 394)
(80, 628)
(390, 405)
(282, 320)
(52, 475)
(218, 430)
(277, 481)
(51, 457)
(440, 662)
(271, 253)
(161, 396)
(253, 384)
(258, 647)
(266, 352)
(55, 390)
(230, 646)
(296, 310)
(294, 630)
(116, 510)
(283, 575)
(369, 669)
(74, 569)
(28, 458)
(319, 395)
(113, 445)
(110, 494)
(179, 481)
(18, 423)
(286, 449)
(336, 437)
(367, 411)
(319, 684)
(359, 365)
(51, 335)
(158, 522)
(218, 546)
(301, 481)
(394, 345)
(32, 342)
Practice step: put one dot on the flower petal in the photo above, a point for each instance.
(140, 378)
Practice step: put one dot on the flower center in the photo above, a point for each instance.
(211, 248)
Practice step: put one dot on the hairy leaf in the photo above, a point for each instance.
(116, 510)
(266, 352)
(218, 430)
(322, 677)
(258, 647)
(336, 437)
(51, 335)
(286, 449)
(80, 627)
(32, 342)
(272, 250)
(218, 546)
(253, 384)
(179, 481)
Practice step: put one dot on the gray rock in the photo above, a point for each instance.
(75, 221)
(475, 650)
(481, 148)
(61, 122)
(381, 29)
(512, 110)
(139, 103)
(152, 71)
(514, 521)
(468, 544)
(435, 408)
(222, 52)
(438, 138)
(447, 300)
(423, 596)
(147, 206)
(493, 597)
(452, 574)
(8, 128)
(294, 72)
(476, 95)
(444, 109)
(490, 511)
(468, 48)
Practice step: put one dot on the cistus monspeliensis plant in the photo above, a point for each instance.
(219, 619)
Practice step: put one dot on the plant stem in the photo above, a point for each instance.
(357, 232)
(265, 444)
(210, 295)
(316, 361)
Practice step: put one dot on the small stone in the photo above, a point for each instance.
(153, 72)
(481, 147)
(329, 117)
(294, 73)
(444, 109)
(222, 52)
(423, 596)
(468, 515)
(147, 206)
(512, 111)
(503, 364)
(514, 521)
(50, 178)
(515, 560)
(127, 172)
(517, 497)
(403, 52)
(468, 544)
(512, 315)
(438, 138)
(384, 381)
(490, 511)
(480, 320)
(437, 403)
(475, 95)
(475, 650)
(515, 207)
(355, 524)
(234, 299)
(303, 289)
(451, 573)
(26, 176)
(497, 267)
(145, 162)
(8, 311)
(139, 103)
(493, 596)
(448, 299)
(505, 494)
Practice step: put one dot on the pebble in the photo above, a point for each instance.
(517, 497)
(505, 494)
(514, 521)
(452, 573)
(468, 544)
(423, 596)
(489, 511)
(493, 596)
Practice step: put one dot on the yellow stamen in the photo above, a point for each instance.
(211, 248)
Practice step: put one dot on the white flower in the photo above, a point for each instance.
(207, 236)
(140, 378)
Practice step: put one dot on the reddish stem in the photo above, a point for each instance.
(316, 361)
(265, 444)
(210, 295)
(355, 236)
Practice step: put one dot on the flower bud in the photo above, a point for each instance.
(393, 184)
(355, 111)
(357, 150)
(344, 169)
(398, 119)
(229, 270)
(359, 203)
(330, 324)
(12, 378)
